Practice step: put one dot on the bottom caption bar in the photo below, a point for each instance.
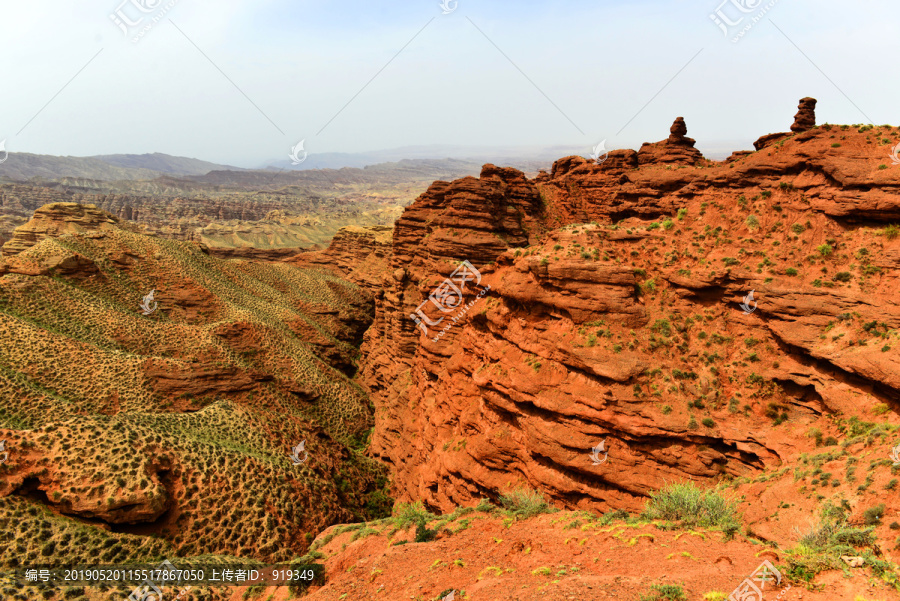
(149, 578)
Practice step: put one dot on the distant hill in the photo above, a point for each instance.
(163, 163)
(22, 166)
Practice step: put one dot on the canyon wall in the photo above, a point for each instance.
(619, 310)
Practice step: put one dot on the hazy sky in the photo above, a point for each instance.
(488, 73)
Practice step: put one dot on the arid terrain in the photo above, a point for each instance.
(633, 377)
(265, 214)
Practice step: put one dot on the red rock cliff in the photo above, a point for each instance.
(624, 324)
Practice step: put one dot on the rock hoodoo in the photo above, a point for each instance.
(676, 149)
(678, 131)
(806, 115)
(804, 120)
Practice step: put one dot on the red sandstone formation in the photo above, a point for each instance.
(55, 220)
(359, 254)
(629, 329)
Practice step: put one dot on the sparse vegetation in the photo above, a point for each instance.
(820, 549)
(665, 592)
(752, 222)
(693, 507)
(525, 503)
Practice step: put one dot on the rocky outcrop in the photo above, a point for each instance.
(361, 254)
(610, 309)
(57, 219)
(806, 115)
(38, 471)
(63, 263)
(255, 254)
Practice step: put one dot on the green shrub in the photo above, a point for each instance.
(752, 222)
(665, 592)
(525, 503)
(681, 214)
(663, 327)
(692, 506)
(611, 516)
(407, 514)
(790, 271)
(872, 515)
(842, 276)
(425, 534)
(820, 549)
(891, 232)
(825, 250)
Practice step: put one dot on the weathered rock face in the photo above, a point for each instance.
(38, 472)
(806, 115)
(632, 331)
(359, 254)
(57, 219)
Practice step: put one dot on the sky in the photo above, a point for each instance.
(241, 82)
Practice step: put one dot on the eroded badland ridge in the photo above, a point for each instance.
(258, 214)
(607, 301)
(614, 314)
(591, 330)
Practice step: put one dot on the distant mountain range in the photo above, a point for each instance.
(21, 166)
(513, 156)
